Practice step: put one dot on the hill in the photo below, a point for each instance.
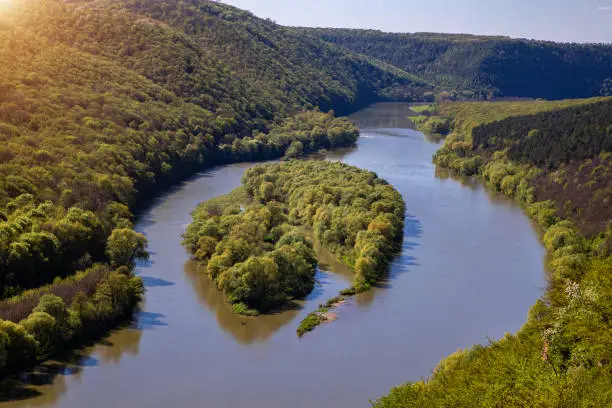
(479, 66)
(104, 103)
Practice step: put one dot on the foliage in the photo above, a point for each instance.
(254, 256)
(57, 323)
(102, 103)
(353, 213)
(467, 115)
(309, 323)
(257, 251)
(479, 67)
(549, 139)
(19, 347)
(125, 246)
(423, 109)
(294, 137)
(562, 355)
(556, 152)
(319, 316)
(19, 307)
(432, 125)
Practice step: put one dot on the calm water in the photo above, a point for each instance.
(470, 268)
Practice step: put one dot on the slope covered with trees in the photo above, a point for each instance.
(103, 103)
(480, 66)
(553, 152)
(99, 103)
(562, 355)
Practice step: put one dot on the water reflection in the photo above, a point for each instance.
(246, 330)
(466, 181)
(474, 184)
(249, 330)
(387, 115)
(332, 155)
(46, 383)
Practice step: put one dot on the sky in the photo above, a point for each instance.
(554, 20)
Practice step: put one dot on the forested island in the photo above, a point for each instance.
(555, 159)
(255, 242)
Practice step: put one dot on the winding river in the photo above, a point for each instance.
(470, 268)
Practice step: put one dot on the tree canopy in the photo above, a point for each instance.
(486, 66)
(260, 254)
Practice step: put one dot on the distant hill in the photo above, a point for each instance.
(484, 65)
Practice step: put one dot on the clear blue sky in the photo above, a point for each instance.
(556, 20)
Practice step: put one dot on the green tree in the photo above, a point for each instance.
(125, 246)
(42, 326)
(20, 348)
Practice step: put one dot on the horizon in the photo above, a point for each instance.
(561, 21)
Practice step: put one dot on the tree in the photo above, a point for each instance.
(21, 346)
(254, 282)
(266, 191)
(125, 246)
(296, 149)
(42, 326)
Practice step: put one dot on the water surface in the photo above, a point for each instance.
(470, 268)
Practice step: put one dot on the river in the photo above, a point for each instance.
(470, 268)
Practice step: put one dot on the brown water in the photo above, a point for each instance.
(470, 268)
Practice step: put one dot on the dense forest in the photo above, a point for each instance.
(555, 152)
(102, 104)
(257, 249)
(553, 138)
(255, 256)
(481, 67)
(562, 355)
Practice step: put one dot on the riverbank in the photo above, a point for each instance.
(564, 347)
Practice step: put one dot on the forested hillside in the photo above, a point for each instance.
(100, 101)
(103, 103)
(555, 159)
(483, 66)
(567, 142)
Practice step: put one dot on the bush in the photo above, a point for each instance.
(562, 234)
(125, 246)
(309, 323)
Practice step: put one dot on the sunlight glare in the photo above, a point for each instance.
(5, 4)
